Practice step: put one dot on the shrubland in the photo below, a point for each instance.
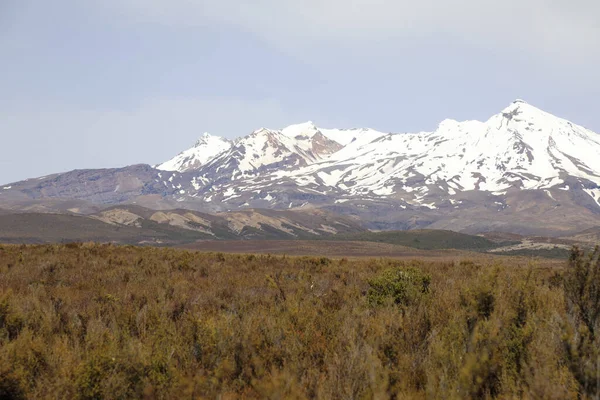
(94, 321)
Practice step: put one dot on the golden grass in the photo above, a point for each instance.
(100, 321)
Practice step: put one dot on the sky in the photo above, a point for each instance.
(109, 83)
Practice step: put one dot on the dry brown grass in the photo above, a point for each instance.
(361, 250)
(101, 321)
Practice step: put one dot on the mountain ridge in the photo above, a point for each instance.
(499, 173)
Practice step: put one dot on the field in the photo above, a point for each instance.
(361, 250)
(94, 321)
(329, 248)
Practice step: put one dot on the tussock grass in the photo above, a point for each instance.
(96, 321)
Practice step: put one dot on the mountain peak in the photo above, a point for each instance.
(525, 111)
(205, 148)
(515, 105)
(304, 129)
(307, 124)
(205, 138)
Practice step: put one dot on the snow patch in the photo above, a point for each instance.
(229, 192)
(594, 194)
(550, 195)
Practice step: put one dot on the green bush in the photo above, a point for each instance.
(402, 286)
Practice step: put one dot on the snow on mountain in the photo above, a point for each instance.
(206, 148)
(267, 150)
(267, 147)
(303, 144)
(357, 137)
(344, 137)
(307, 130)
(509, 172)
(521, 147)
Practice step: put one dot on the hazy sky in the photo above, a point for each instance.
(105, 83)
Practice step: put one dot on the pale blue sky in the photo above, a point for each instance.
(91, 84)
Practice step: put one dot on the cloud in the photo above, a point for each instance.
(563, 31)
(43, 141)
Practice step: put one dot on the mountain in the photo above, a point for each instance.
(206, 148)
(265, 151)
(522, 171)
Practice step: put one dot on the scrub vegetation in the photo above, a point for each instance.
(94, 321)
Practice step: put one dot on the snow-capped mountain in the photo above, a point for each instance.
(265, 151)
(206, 148)
(522, 147)
(522, 168)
